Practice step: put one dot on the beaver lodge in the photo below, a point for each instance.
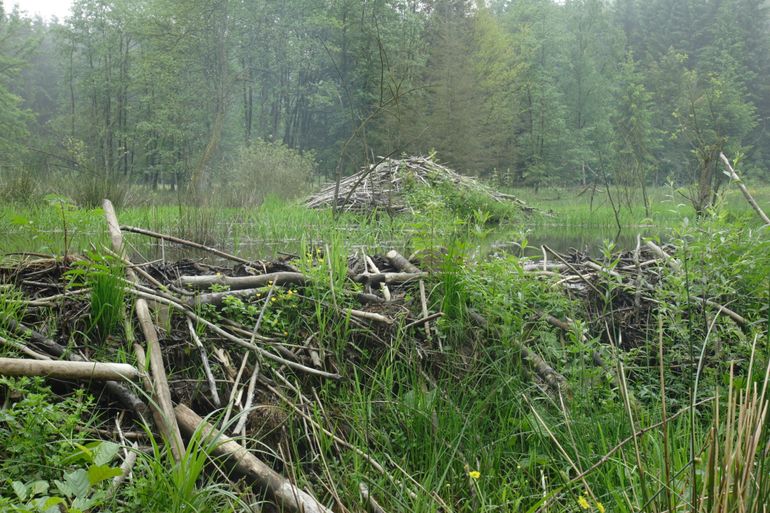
(394, 185)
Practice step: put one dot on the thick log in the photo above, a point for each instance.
(286, 495)
(400, 262)
(68, 370)
(118, 390)
(243, 282)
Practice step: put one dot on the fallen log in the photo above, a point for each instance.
(68, 370)
(400, 262)
(118, 390)
(243, 282)
(285, 493)
(163, 407)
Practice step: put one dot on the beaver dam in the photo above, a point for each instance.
(325, 381)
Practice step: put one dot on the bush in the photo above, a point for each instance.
(264, 169)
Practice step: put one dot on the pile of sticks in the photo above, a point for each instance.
(619, 295)
(248, 369)
(384, 186)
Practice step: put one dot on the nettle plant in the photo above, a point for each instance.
(45, 464)
(79, 490)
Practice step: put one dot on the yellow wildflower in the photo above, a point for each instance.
(600, 507)
(474, 474)
(583, 502)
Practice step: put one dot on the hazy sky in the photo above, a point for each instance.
(45, 8)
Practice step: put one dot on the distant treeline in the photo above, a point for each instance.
(527, 92)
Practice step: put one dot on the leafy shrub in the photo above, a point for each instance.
(264, 169)
(36, 431)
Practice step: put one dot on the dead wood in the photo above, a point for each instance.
(229, 336)
(400, 262)
(746, 194)
(118, 390)
(165, 416)
(373, 279)
(386, 186)
(68, 370)
(184, 242)
(243, 282)
(286, 494)
(374, 506)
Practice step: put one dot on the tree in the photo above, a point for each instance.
(713, 118)
(13, 119)
(636, 141)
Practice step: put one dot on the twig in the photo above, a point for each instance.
(184, 242)
(424, 306)
(374, 507)
(235, 392)
(205, 362)
(425, 320)
(375, 269)
(734, 176)
(160, 389)
(233, 338)
(24, 349)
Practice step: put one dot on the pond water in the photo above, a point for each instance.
(563, 238)
(560, 238)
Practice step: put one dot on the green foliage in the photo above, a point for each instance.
(14, 119)
(104, 276)
(165, 485)
(11, 306)
(19, 185)
(264, 169)
(81, 489)
(37, 434)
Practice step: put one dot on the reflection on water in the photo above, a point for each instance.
(590, 240)
(561, 238)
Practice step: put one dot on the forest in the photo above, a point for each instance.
(385, 256)
(525, 93)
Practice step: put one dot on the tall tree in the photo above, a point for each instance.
(13, 119)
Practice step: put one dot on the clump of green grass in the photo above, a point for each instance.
(104, 277)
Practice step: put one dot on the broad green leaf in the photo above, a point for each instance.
(83, 504)
(39, 487)
(105, 452)
(20, 489)
(50, 504)
(99, 473)
(76, 484)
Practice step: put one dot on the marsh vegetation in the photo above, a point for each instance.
(566, 309)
